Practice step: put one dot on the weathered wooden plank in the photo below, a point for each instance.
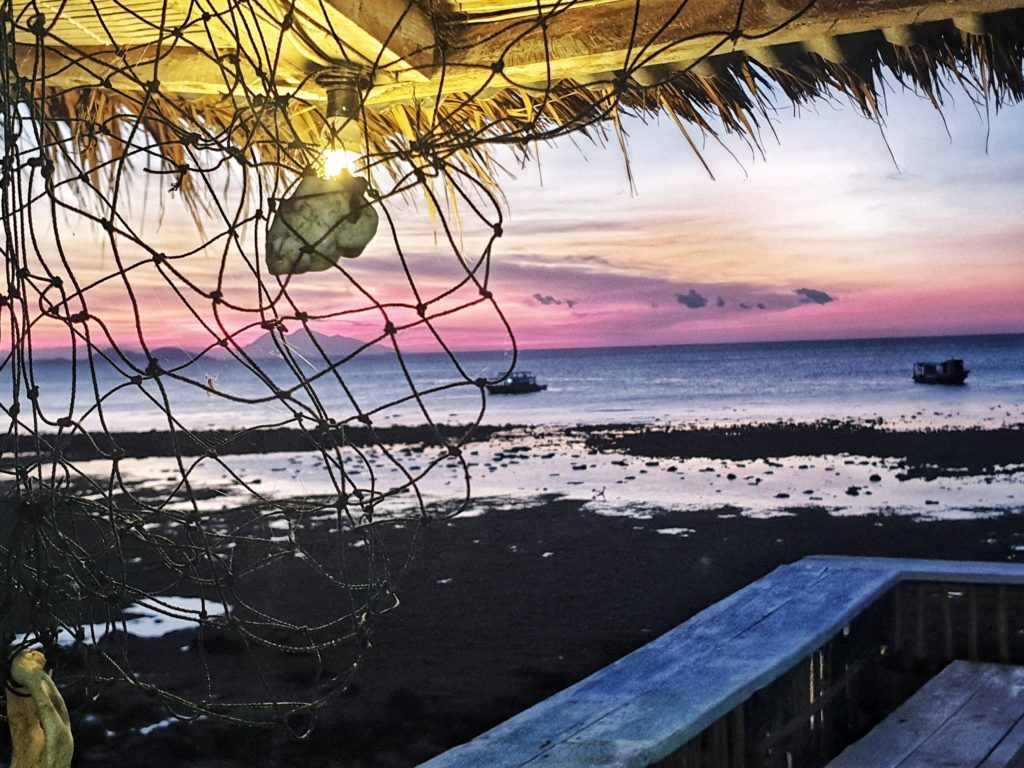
(645, 706)
(896, 737)
(794, 600)
(912, 569)
(1009, 753)
(957, 720)
(672, 709)
(594, 698)
(981, 723)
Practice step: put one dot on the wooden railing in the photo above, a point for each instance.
(786, 672)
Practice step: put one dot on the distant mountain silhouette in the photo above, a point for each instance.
(172, 354)
(264, 348)
(335, 347)
(166, 355)
(54, 353)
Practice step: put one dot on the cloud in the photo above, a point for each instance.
(549, 301)
(693, 300)
(812, 296)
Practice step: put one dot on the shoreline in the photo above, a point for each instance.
(972, 450)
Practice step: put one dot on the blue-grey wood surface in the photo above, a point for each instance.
(647, 704)
(970, 715)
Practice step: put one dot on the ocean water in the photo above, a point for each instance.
(690, 384)
(799, 381)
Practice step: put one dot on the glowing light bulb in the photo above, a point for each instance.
(344, 85)
(337, 160)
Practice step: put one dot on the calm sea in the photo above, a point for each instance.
(726, 383)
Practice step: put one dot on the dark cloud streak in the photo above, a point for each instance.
(550, 301)
(812, 296)
(693, 300)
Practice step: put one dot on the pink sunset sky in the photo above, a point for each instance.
(935, 246)
(827, 235)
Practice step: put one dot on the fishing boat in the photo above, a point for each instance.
(518, 383)
(951, 371)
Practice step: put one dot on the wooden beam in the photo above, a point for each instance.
(902, 36)
(826, 47)
(648, 76)
(394, 34)
(971, 23)
(581, 42)
(593, 39)
(766, 56)
(182, 71)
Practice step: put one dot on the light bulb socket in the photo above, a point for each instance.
(345, 84)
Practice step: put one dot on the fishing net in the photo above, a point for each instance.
(106, 521)
(206, 394)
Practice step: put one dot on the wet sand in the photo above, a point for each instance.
(969, 449)
(502, 609)
(924, 452)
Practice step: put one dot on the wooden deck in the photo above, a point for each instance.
(971, 715)
(642, 709)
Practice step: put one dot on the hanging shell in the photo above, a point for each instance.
(323, 221)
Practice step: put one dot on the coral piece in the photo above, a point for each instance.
(40, 728)
(323, 221)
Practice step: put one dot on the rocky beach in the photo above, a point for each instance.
(579, 545)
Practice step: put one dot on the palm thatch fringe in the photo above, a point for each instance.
(88, 133)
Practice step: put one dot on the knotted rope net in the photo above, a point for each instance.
(178, 273)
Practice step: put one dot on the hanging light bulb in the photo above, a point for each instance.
(327, 217)
(342, 134)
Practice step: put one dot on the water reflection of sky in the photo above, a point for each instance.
(157, 617)
(524, 465)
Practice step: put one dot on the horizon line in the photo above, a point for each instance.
(222, 351)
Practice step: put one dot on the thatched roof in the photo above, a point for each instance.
(444, 77)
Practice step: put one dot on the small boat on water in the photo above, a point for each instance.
(519, 383)
(951, 371)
